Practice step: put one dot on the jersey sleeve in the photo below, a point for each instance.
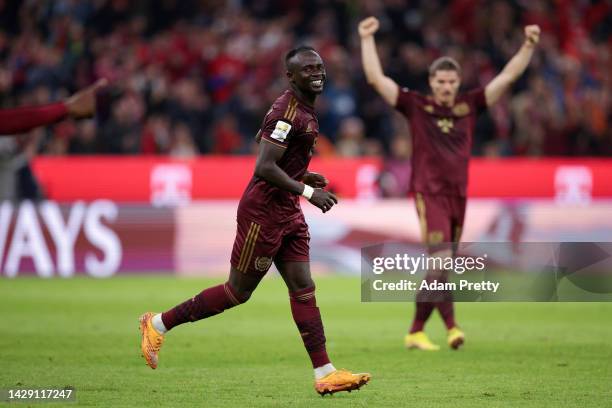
(280, 124)
(476, 99)
(20, 120)
(405, 101)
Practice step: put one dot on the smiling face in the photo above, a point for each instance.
(444, 86)
(306, 72)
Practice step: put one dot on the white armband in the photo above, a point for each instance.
(308, 191)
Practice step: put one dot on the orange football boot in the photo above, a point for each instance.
(152, 340)
(341, 380)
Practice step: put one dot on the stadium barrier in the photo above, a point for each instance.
(98, 238)
(102, 238)
(162, 181)
(151, 215)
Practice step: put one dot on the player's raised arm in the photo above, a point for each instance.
(80, 105)
(375, 76)
(26, 118)
(267, 169)
(514, 68)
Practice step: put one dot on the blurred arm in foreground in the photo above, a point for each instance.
(80, 105)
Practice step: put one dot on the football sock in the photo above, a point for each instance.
(445, 305)
(308, 321)
(208, 303)
(322, 371)
(424, 307)
(422, 313)
(447, 312)
(158, 324)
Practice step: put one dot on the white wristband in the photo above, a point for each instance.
(308, 191)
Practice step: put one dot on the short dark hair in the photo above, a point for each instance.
(292, 53)
(444, 64)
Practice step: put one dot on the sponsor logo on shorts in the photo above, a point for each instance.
(435, 237)
(263, 263)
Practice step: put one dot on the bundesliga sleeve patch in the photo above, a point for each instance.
(281, 131)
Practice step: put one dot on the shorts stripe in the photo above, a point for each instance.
(245, 245)
(420, 202)
(457, 236)
(249, 246)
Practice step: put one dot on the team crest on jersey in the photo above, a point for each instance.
(428, 108)
(445, 124)
(461, 109)
(263, 263)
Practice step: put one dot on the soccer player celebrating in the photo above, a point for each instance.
(80, 105)
(271, 227)
(442, 126)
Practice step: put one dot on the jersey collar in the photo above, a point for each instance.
(301, 101)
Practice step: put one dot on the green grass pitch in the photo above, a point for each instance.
(84, 333)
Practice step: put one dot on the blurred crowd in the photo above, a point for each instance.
(196, 77)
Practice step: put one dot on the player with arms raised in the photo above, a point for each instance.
(271, 227)
(442, 126)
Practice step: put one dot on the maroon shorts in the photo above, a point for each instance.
(441, 218)
(257, 246)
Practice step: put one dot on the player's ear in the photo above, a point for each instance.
(289, 75)
(457, 78)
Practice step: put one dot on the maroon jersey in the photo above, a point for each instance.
(441, 140)
(292, 125)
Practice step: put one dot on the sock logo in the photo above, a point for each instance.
(263, 263)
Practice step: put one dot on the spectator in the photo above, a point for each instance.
(351, 137)
(214, 67)
(182, 144)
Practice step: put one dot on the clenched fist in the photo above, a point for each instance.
(368, 26)
(323, 199)
(532, 34)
